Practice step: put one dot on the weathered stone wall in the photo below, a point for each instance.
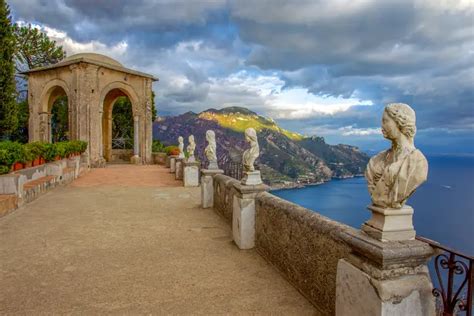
(305, 246)
(224, 195)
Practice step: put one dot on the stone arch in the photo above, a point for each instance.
(51, 91)
(91, 82)
(109, 96)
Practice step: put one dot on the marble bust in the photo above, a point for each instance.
(251, 154)
(394, 174)
(190, 149)
(181, 147)
(210, 150)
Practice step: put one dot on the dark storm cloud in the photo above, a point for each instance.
(419, 52)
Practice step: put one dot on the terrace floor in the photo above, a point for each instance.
(131, 239)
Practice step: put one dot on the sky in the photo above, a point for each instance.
(317, 67)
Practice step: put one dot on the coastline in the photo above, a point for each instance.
(296, 185)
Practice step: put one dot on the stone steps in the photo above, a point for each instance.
(8, 203)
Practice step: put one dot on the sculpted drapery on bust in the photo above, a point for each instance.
(210, 150)
(181, 147)
(393, 175)
(251, 154)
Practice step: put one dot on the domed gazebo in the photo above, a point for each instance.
(92, 83)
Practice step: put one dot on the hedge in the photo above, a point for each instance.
(13, 152)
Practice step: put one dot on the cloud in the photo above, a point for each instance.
(317, 67)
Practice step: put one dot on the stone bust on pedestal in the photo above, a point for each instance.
(181, 147)
(190, 149)
(251, 176)
(210, 150)
(393, 175)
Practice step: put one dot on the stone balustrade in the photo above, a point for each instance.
(27, 184)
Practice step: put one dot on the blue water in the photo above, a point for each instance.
(444, 205)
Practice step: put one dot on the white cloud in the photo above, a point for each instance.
(74, 47)
(353, 131)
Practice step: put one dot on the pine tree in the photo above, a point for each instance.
(8, 105)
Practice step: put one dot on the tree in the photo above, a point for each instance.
(153, 108)
(35, 49)
(122, 121)
(8, 105)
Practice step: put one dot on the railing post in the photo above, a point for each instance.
(136, 141)
(207, 186)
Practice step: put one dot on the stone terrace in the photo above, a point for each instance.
(131, 239)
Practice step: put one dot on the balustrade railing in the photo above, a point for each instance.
(122, 143)
(234, 170)
(455, 276)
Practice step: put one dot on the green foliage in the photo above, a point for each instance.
(11, 152)
(21, 133)
(35, 49)
(240, 120)
(153, 107)
(4, 169)
(59, 119)
(171, 150)
(8, 106)
(157, 147)
(122, 120)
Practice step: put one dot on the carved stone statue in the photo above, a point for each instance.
(190, 149)
(210, 150)
(181, 147)
(393, 175)
(251, 154)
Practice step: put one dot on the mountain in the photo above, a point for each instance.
(286, 158)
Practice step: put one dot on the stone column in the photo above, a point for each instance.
(173, 163)
(179, 168)
(136, 141)
(243, 216)
(191, 173)
(207, 186)
(384, 278)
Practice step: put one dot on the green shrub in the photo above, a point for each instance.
(49, 152)
(11, 152)
(171, 150)
(4, 169)
(157, 147)
(37, 149)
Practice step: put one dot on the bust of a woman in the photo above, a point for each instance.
(210, 150)
(181, 147)
(251, 154)
(393, 175)
(190, 149)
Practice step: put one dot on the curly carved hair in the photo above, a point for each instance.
(404, 116)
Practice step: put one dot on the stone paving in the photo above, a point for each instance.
(131, 240)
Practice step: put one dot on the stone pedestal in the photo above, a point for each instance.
(213, 165)
(173, 163)
(179, 169)
(135, 160)
(389, 224)
(168, 161)
(243, 214)
(384, 278)
(207, 186)
(191, 173)
(252, 178)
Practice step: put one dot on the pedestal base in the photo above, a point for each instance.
(179, 169)
(173, 164)
(252, 178)
(207, 186)
(357, 293)
(389, 224)
(213, 165)
(135, 160)
(191, 174)
(243, 214)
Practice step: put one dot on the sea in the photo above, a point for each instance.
(444, 204)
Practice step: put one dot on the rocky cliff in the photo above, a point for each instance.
(286, 158)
